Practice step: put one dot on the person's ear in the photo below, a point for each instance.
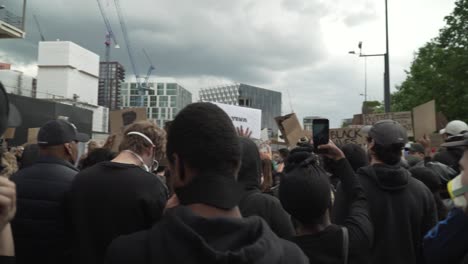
(178, 171)
(68, 149)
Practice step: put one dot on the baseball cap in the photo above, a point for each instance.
(416, 147)
(457, 141)
(56, 132)
(388, 132)
(454, 127)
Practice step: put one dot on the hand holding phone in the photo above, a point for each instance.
(320, 129)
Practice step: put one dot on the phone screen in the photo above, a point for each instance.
(320, 128)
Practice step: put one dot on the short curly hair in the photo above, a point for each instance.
(138, 144)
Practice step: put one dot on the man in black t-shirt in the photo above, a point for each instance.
(118, 197)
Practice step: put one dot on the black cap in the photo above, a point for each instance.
(388, 132)
(416, 147)
(58, 132)
(457, 141)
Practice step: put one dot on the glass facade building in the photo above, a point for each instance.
(248, 96)
(162, 100)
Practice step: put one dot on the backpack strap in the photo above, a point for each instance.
(345, 244)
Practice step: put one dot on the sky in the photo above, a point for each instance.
(297, 47)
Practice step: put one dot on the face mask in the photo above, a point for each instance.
(155, 164)
(457, 191)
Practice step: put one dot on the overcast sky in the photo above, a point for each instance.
(298, 47)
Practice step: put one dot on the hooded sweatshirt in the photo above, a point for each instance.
(183, 237)
(254, 202)
(402, 210)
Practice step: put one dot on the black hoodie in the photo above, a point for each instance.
(402, 210)
(254, 202)
(183, 237)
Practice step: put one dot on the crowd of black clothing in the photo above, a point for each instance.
(112, 212)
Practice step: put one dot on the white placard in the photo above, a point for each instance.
(250, 118)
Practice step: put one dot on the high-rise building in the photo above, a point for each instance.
(67, 71)
(163, 100)
(17, 82)
(12, 25)
(249, 96)
(113, 81)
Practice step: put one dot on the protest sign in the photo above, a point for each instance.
(290, 128)
(9, 133)
(425, 120)
(244, 117)
(342, 136)
(119, 119)
(32, 135)
(404, 118)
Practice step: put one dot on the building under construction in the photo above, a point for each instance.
(114, 73)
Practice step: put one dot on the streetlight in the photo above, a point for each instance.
(386, 64)
(365, 65)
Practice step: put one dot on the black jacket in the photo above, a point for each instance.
(183, 237)
(39, 227)
(254, 202)
(402, 210)
(327, 246)
(450, 157)
(108, 200)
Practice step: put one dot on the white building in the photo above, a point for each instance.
(67, 71)
(17, 82)
(164, 99)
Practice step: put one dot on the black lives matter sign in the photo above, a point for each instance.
(342, 136)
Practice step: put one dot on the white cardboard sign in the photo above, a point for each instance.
(250, 118)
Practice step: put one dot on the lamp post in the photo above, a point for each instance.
(387, 65)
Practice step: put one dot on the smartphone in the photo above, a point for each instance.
(320, 129)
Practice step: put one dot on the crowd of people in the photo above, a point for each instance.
(202, 191)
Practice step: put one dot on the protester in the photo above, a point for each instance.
(118, 197)
(254, 202)
(431, 179)
(451, 155)
(416, 155)
(305, 193)
(97, 155)
(448, 241)
(207, 226)
(39, 227)
(7, 212)
(356, 156)
(267, 176)
(30, 155)
(284, 153)
(402, 209)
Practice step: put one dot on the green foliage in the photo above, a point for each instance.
(375, 107)
(440, 70)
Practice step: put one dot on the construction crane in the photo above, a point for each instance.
(150, 69)
(39, 28)
(109, 38)
(128, 43)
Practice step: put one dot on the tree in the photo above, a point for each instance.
(440, 70)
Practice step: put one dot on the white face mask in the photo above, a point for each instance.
(155, 164)
(457, 190)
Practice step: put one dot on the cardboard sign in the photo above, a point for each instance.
(9, 133)
(32, 135)
(290, 128)
(425, 119)
(404, 118)
(246, 117)
(119, 119)
(342, 136)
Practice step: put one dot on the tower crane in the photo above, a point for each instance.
(150, 69)
(128, 44)
(109, 38)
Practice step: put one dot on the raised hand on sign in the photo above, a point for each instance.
(244, 133)
(425, 141)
